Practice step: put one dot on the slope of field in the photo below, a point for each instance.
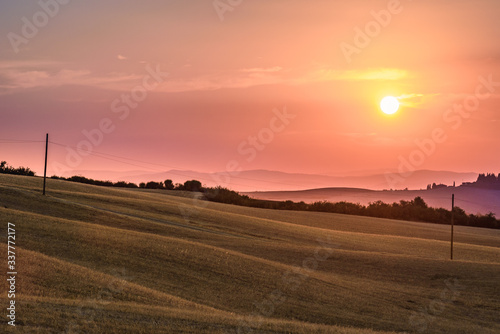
(101, 260)
(472, 200)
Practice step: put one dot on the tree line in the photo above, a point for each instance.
(191, 185)
(489, 181)
(6, 169)
(414, 210)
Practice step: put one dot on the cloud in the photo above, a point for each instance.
(410, 96)
(37, 74)
(226, 80)
(13, 64)
(360, 75)
(33, 74)
(262, 70)
(357, 134)
(16, 76)
(417, 100)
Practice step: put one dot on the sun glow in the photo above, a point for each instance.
(389, 105)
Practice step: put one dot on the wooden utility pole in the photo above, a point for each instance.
(45, 169)
(452, 213)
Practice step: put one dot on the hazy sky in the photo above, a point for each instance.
(253, 84)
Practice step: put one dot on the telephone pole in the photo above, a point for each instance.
(452, 213)
(45, 169)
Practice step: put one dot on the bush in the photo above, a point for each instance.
(6, 169)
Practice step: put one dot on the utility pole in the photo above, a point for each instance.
(45, 169)
(452, 213)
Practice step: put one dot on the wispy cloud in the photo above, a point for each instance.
(359, 75)
(220, 81)
(37, 74)
(27, 64)
(417, 100)
(410, 96)
(262, 70)
(20, 75)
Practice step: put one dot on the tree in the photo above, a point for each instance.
(419, 202)
(142, 185)
(154, 185)
(123, 184)
(192, 185)
(169, 185)
(6, 169)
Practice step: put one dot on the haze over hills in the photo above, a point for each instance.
(472, 200)
(266, 180)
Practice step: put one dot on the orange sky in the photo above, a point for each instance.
(100, 67)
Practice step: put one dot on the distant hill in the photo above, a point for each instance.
(471, 199)
(265, 180)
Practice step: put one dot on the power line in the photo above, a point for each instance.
(114, 157)
(15, 141)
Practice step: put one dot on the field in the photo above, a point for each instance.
(102, 260)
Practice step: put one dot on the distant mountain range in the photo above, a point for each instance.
(265, 180)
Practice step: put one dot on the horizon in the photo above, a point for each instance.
(471, 195)
(275, 181)
(196, 87)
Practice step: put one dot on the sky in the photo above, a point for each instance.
(222, 85)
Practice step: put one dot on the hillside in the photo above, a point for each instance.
(472, 200)
(103, 260)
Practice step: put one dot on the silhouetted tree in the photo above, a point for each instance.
(123, 184)
(192, 185)
(169, 185)
(419, 202)
(6, 169)
(154, 185)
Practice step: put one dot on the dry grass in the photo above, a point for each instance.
(118, 260)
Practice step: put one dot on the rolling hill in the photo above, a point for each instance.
(472, 200)
(103, 260)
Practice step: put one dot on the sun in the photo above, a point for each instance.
(389, 105)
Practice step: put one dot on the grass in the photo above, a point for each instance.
(103, 260)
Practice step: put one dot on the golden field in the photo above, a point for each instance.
(106, 260)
